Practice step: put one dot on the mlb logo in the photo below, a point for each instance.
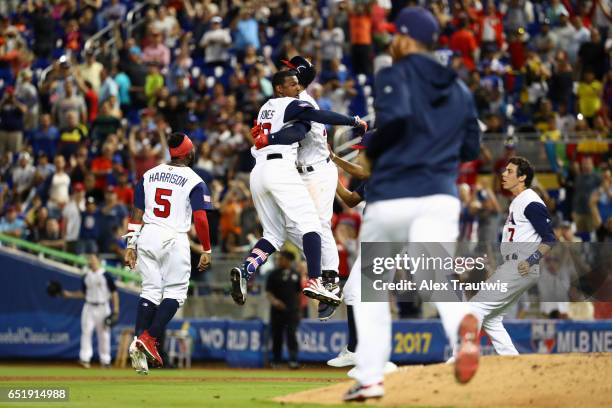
(543, 337)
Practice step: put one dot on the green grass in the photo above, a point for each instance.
(166, 388)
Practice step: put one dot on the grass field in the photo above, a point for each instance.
(97, 387)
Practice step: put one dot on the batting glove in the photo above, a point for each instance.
(361, 124)
(132, 235)
(260, 137)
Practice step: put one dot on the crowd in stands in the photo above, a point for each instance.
(80, 122)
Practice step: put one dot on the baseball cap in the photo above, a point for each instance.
(305, 71)
(79, 187)
(418, 23)
(365, 140)
(216, 19)
(135, 50)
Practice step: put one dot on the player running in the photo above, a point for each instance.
(158, 247)
(526, 238)
(279, 195)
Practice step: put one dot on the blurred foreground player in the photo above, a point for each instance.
(352, 287)
(164, 200)
(98, 287)
(426, 123)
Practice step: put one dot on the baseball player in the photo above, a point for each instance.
(97, 288)
(158, 246)
(352, 287)
(527, 236)
(426, 123)
(279, 194)
(320, 177)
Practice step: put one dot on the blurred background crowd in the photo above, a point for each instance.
(91, 89)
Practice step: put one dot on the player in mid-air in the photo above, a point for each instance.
(158, 247)
(320, 177)
(527, 236)
(279, 194)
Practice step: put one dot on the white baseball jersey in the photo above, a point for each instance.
(166, 196)
(272, 117)
(313, 149)
(518, 228)
(97, 286)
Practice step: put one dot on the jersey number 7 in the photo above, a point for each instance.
(161, 200)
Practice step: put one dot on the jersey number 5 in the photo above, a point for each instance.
(161, 200)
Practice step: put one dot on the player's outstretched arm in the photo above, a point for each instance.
(303, 110)
(353, 169)
(350, 198)
(291, 133)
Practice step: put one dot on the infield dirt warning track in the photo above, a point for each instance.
(560, 380)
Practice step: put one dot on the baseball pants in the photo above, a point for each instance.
(321, 186)
(422, 219)
(281, 199)
(92, 318)
(490, 306)
(164, 262)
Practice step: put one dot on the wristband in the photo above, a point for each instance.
(534, 258)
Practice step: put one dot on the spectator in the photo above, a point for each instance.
(71, 135)
(52, 235)
(43, 27)
(581, 36)
(114, 12)
(124, 85)
(586, 183)
(216, 42)
(154, 82)
(592, 56)
(90, 69)
(601, 205)
(23, 176)
(565, 33)
(360, 23)
(589, 94)
(43, 167)
(11, 224)
(112, 215)
(59, 186)
(90, 228)
(490, 29)
(556, 11)
(45, 138)
(70, 102)
(11, 122)
(124, 191)
(545, 42)
(73, 38)
(464, 42)
(332, 43)
(108, 87)
(27, 94)
(156, 52)
(246, 30)
(71, 215)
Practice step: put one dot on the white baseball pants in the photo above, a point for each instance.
(92, 317)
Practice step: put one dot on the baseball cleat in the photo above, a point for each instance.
(325, 312)
(314, 289)
(139, 359)
(343, 359)
(85, 364)
(239, 286)
(466, 360)
(148, 345)
(363, 392)
(389, 368)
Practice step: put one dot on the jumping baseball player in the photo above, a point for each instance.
(527, 236)
(158, 246)
(320, 177)
(426, 123)
(279, 194)
(97, 288)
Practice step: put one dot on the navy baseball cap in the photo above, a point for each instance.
(418, 23)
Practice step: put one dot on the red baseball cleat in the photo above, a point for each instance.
(466, 362)
(148, 345)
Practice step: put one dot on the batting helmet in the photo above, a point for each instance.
(306, 72)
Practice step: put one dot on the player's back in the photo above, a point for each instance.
(519, 235)
(166, 194)
(272, 117)
(313, 148)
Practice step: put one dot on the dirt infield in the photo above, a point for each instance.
(564, 380)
